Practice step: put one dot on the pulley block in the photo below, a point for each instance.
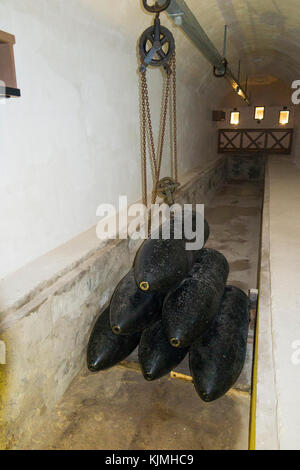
(156, 8)
(166, 189)
(157, 46)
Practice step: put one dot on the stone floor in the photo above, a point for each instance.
(118, 409)
(234, 216)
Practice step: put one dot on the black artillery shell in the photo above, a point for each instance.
(157, 357)
(105, 349)
(218, 357)
(197, 253)
(191, 306)
(206, 231)
(131, 309)
(160, 264)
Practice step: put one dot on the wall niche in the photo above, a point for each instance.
(8, 79)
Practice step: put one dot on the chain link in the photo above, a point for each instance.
(147, 121)
(144, 144)
(175, 153)
(162, 135)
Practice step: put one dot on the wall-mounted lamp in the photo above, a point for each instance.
(259, 113)
(284, 116)
(234, 117)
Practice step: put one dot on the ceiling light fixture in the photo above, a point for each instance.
(259, 113)
(284, 116)
(235, 117)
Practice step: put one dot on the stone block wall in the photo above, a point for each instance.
(246, 167)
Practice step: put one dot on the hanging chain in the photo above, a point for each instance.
(146, 121)
(163, 131)
(175, 153)
(144, 137)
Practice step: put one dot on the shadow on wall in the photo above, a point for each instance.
(236, 32)
(271, 21)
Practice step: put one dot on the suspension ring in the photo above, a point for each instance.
(156, 8)
(222, 74)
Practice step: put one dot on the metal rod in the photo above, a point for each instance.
(185, 19)
(225, 41)
(179, 376)
(135, 367)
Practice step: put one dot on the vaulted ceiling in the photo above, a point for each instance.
(263, 34)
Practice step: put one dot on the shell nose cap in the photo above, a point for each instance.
(92, 368)
(175, 342)
(148, 376)
(116, 330)
(144, 286)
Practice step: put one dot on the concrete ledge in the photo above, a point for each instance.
(266, 411)
(278, 402)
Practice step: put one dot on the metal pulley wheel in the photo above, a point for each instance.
(157, 46)
(156, 8)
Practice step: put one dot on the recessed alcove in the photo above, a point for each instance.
(8, 79)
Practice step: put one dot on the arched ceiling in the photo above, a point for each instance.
(263, 34)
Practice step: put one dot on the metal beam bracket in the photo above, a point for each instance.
(177, 18)
(223, 73)
(183, 17)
